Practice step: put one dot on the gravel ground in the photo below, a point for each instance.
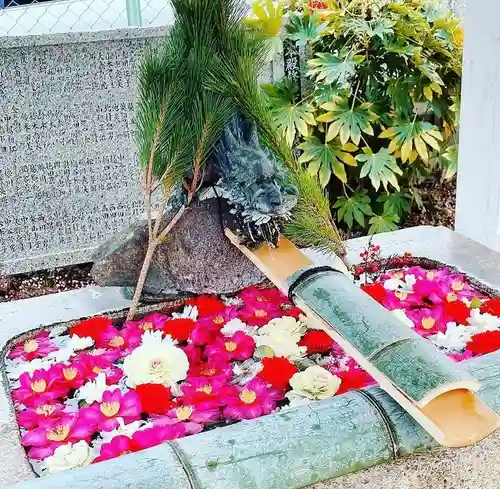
(439, 202)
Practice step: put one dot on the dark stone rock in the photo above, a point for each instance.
(196, 258)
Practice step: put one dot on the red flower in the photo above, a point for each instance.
(376, 291)
(317, 342)
(483, 343)
(317, 5)
(354, 378)
(180, 328)
(207, 305)
(93, 327)
(491, 306)
(291, 311)
(155, 398)
(277, 371)
(457, 311)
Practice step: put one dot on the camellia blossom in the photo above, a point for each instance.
(205, 393)
(126, 339)
(237, 347)
(235, 325)
(41, 415)
(68, 456)
(483, 343)
(44, 440)
(207, 305)
(315, 383)
(156, 362)
(179, 329)
(457, 312)
(251, 401)
(193, 418)
(317, 342)
(219, 368)
(93, 390)
(119, 445)
(491, 306)
(259, 308)
(42, 387)
(37, 347)
(455, 338)
(154, 398)
(153, 321)
(376, 291)
(92, 327)
(277, 372)
(114, 405)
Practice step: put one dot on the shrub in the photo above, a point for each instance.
(379, 112)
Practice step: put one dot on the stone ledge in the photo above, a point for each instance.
(9, 42)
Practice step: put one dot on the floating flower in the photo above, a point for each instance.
(44, 441)
(73, 375)
(277, 372)
(193, 419)
(375, 291)
(92, 328)
(317, 342)
(179, 329)
(15, 369)
(120, 445)
(244, 372)
(457, 312)
(215, 368)
(150, 437)
(315, 383)
(41, 415)
(354, 378)
(189, 312)
(37, 347)
(237, 347)
(260, 296)
(217, 321)
(282, 337)
(491, 306)
(151, 322)
(259, 307)
(154, 398)
(121, 430)
(483, 321)
(235, 325)
(454, 339)
(93, 390)
(41, 387)
(207, 305)
(114, 405)
(427, 321)
(126, 339)
(251, 401)
(404, 284)
(483, 343)
(193, 352)
(156, 362)
(95, 361)
(205, 393)
(68, 456)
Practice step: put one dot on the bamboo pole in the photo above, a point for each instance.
(437, 392)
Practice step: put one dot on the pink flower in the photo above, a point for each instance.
(126, 339)
(119, 445)
(37, 347)
(460, 357)
(113, 375)
(255, 295)
(205, 393)
(193, 353)
(151, 437)
(428, 321)
(251, 401)
(215, 368)
(42, 387)
(153, 321)
(192, 418)
(73, 375)
(44, 440)
(43, 415)
(114, 405)
(95, 361)
(237, 347)
(217, 321)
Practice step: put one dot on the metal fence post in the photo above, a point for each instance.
(134, 14)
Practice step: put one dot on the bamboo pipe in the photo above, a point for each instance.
(438, 393)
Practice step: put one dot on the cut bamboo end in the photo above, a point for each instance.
(450, 411)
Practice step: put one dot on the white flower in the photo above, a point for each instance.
(123, 430)
(282, 336)
(231, 301)
(154, 337)
(455, 338)
(314, 383)
(231, 327)
(76, 343)
(62, 355)
(189, 312)
(483, 322)
(156, 361)
(244, 372)
(57, 331)
(15, 368)
(68, 456)
(404, 286)
(401, 315)
(93, 390)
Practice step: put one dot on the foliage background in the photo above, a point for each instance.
(378, 113)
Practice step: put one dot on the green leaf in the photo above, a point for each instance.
(381, 27)
(328, 68)
(383, 224)
(354, 208)
(291, 118)
(304, 28)
(380, 167)
(327, 158)
(412, 135)
(397, 203)
(449, 162)
(326, 93)
(347, 121)
(429, 69)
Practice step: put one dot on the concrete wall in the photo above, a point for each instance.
(69, 177)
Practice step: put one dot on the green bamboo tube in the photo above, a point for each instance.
(409, 361)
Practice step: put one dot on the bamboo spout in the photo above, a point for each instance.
(438, 393)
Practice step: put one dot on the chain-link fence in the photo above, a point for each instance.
(30, 17)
